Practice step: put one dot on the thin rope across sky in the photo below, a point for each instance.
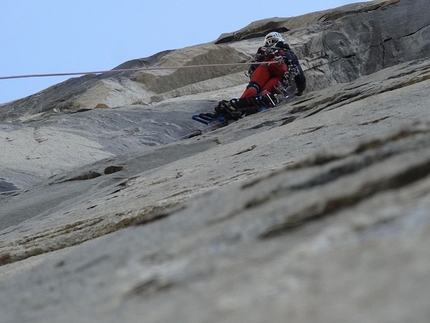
(129, 70)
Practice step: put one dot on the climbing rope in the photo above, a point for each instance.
(154, 68)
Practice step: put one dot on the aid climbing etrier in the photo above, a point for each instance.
(237, 108)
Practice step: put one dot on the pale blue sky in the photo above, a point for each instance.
(56, 36)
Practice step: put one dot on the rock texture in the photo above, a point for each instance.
(314, 211)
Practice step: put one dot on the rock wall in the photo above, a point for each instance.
(314, 211)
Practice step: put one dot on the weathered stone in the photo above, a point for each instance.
(316, 210)
(113, 169)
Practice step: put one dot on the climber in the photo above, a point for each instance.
(273, 78)
(266, 80)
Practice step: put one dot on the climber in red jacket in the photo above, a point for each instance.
(272, 78)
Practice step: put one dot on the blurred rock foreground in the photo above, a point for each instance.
(317, 210)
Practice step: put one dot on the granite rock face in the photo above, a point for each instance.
(317, 210)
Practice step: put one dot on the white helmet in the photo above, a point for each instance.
(273, 38)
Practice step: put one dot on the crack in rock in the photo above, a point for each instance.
(411, 170)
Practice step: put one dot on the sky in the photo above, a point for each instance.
(62, 36)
